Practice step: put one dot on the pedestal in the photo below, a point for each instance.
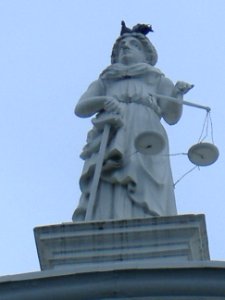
(135, 242)
(163, 258)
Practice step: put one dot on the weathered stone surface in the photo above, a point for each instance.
(136, 242)
(167, 281)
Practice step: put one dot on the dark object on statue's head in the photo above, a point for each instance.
(139, 28)
(124, 28)
(139, 32)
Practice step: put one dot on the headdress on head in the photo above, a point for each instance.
(139, 31)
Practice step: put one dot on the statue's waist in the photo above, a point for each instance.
(149, 102)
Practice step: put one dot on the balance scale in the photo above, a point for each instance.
(200, 154)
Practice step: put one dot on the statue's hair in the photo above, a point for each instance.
(150, 51)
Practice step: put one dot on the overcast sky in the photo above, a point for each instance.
(50, 52)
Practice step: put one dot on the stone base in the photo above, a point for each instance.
(137, 242)
(184, 281)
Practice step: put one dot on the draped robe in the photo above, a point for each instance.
(132, 184)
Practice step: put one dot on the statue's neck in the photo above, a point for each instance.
(119, 70)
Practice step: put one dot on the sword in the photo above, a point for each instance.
(105, 122)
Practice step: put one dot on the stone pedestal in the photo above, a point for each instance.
(164, 258)
(122, 243)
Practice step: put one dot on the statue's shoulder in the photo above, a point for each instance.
(166, 86)
(154, 70)
(166, 82)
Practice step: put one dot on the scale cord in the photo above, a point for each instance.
(175, 154)
(189, 171)
(211, 127)
(169, 154)
(204, 128)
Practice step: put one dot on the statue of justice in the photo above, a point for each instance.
(127, 172)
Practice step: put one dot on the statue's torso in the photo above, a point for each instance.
(132, 83)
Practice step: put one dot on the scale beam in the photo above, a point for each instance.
(207, 108)
(188, 103)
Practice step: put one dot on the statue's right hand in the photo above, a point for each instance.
(91, 105)
(111, 105)
(111, 114)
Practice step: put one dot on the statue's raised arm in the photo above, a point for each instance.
(171, 109)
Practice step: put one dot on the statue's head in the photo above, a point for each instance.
(138, 33)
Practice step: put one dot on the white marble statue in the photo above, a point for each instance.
(127, 97)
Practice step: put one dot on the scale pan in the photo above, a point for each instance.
(149, 142)
(203, 154)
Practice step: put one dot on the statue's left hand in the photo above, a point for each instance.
(182, 87)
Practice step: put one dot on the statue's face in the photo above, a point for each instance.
(131, 51)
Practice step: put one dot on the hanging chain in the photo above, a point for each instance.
(205, 128)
